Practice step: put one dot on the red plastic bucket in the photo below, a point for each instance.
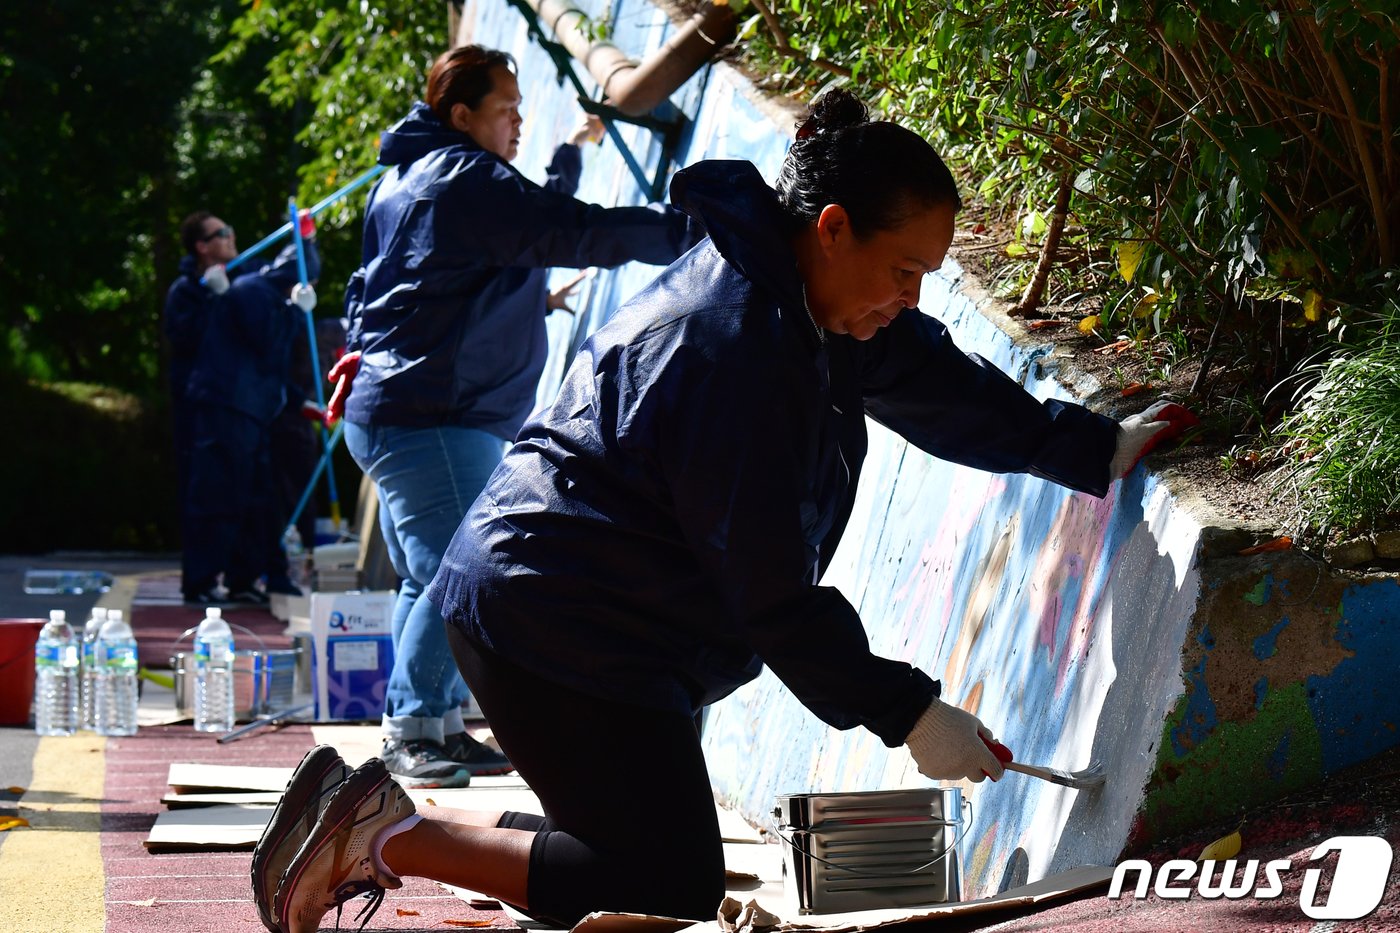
(17, 640)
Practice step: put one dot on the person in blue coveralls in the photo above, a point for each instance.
(209, 243)
(447, 328)
(239, 381)
(657, 536)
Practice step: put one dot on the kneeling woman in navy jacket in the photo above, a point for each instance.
(657, 536)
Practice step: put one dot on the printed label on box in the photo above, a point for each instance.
(352, 653)
(355, 655)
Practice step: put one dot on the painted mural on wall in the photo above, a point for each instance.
(1069, 624)
(1290, 671)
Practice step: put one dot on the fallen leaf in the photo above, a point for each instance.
(405, 912)
(1118, 346)
(10, 822)
(431, 802)
(1278, 544)
(1223, 848)
(468, 923)
(1041, 325)
(1133, 388)
(15, 790)
(1088, 324)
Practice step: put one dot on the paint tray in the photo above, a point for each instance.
(870, 850)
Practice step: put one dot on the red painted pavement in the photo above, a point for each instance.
(210, 892)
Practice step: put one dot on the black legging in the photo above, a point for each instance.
(630, 821)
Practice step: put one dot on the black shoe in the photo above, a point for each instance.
(204, 598)
(479, 757)
(282, 587)
(423, 763)
(247, 596)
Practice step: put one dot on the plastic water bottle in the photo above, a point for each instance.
(56, 677)
(296, 556)
(213, 674)
(115, 697)
(88, 719)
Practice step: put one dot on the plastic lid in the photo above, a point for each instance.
(99, 613)
(114, 615)
(58, 615)
(213, 612)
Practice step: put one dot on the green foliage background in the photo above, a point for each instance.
(1230, 169)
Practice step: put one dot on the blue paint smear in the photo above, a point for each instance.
(1278, 761)
(1206, 639)
(1261, 692)
(1266, 645)
(1356, 708)
(1201, 717)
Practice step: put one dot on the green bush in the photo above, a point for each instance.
(1341, 459)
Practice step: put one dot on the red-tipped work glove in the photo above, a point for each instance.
(342, 374)
(307, 223)
(1138, 434)
(216, 279)
(313, 412)
(950, 744)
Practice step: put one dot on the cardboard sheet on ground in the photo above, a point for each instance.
(186, 778)
(225, 827)
(1046, 890)
(259, 798)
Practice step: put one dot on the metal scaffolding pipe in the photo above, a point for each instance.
(636, 88)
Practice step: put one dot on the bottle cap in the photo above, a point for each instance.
(57, 615)
(213, 612)
(114, 615)
(99, 613)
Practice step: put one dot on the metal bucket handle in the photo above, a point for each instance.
(967, 827)
(262, 645)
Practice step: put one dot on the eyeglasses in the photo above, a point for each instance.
(224, 231)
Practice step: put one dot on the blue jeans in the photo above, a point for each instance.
(427, 479)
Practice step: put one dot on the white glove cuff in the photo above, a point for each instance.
(216, 279)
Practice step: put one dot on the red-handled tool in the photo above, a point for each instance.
(1092, 776)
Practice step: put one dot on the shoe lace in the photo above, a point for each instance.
(367, 910)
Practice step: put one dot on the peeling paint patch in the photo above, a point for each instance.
(1266, 645)
(1199, 718)
(1236, 766)
(1277, 764)
(1261, 592)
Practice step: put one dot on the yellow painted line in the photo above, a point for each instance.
(51, 872)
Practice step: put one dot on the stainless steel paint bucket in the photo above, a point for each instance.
(868, 850)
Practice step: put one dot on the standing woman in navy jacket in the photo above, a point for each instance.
(657, 536)
(447, 312)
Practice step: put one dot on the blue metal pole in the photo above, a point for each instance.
(316, 474)
(316, 375)
(285, 229)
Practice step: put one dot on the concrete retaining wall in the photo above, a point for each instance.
(1120, 630)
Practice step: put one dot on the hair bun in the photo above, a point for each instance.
(834, 110)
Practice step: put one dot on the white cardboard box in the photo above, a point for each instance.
(352, 654)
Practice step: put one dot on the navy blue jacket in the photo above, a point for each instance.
(448, 307)
(658, 533)
(245, 353)
(187, 305)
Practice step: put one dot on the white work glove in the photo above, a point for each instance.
(216, 279)
(949, 744)
(1138, 434)
(303, 296)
